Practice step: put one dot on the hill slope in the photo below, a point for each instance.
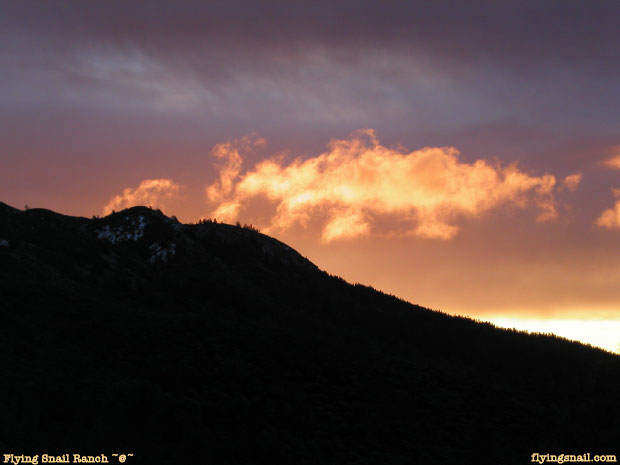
(137, 334)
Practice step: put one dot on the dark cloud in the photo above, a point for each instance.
(572, 34)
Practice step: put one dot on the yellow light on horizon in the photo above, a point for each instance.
(603, 333)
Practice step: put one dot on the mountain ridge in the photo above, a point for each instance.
(241, 343)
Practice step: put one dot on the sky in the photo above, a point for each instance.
(464, 156)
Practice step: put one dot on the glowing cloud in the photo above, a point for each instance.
(613, 162)
(610, 218)
(357, 180)
(150, 192)
(228, 172)
(572, 181)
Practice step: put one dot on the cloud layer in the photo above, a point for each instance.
(151, 192)
(357, 186)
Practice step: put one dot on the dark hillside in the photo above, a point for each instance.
(135, 333)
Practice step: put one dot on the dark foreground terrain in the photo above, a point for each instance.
(215, 344)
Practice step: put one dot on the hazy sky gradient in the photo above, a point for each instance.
(98, 99)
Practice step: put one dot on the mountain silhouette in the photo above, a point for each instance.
(212, 343)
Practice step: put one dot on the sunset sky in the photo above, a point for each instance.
(464, 156)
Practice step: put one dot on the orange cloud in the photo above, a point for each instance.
(613, 162)
(150, 192)
(572, 181)
(610, 218)
(358, 179)
(228, 172)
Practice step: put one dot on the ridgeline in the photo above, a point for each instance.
(212, 343)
